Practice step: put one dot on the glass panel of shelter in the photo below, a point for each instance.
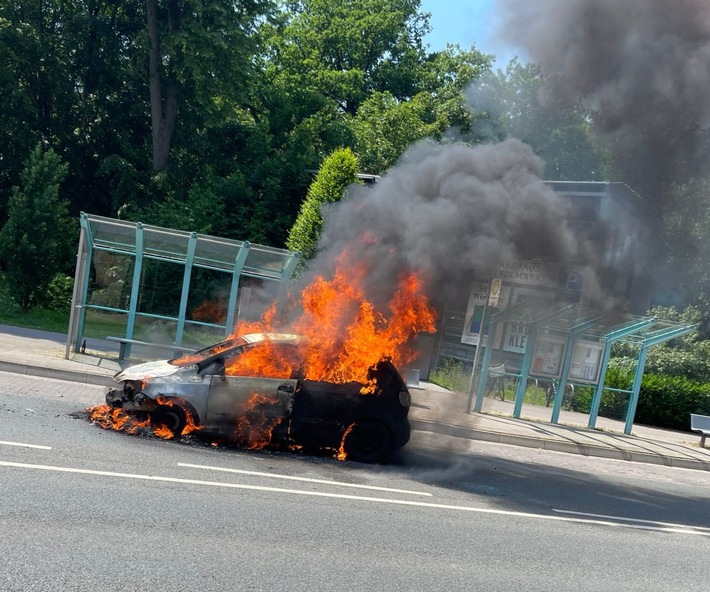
(109, 255)
(571, 346)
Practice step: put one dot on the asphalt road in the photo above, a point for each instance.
(82, 508)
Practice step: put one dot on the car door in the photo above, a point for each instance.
(323, 410)
(251, 397)
(251, 410)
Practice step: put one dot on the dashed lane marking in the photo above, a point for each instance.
(655, 523)
(22, 444)
(306, 479)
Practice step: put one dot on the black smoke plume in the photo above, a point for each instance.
(643, 69)
(452, 213)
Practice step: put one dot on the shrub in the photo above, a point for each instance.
(59, 293)
(338, 171)
(668, 401)
(664, 401)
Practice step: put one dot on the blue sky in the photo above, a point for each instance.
(466, 22)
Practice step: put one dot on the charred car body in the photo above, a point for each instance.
(228, 402)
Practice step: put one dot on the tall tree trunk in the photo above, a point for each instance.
(43, 90)
(163, 109)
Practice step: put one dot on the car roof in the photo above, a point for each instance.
(277, 337)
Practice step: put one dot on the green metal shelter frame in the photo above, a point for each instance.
(568, 323)
(140, 243)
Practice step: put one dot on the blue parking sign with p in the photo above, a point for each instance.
(573, 280)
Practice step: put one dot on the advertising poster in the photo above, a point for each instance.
(586, 361)
(547, 357)
(474, 311)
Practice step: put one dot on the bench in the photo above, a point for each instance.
(125, 344)
(700, 423)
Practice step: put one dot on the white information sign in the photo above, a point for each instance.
(547, 357)
(586, 361)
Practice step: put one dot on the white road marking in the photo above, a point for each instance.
(306, 479)
(378, 500)
(635, 520)
(25, 445)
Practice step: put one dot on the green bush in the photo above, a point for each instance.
(580, 401)
(664, 401)
(337, 172)
(668, 401)
(59, 293)
(613, 404)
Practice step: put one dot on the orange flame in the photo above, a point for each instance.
(254, 428)
(188, 359)
(210, 311)
(342, 455)
(111, 418)
(344, 335)
(261, 361)
(190, 425)
(120, 420)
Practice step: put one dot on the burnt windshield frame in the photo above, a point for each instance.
(205, 355)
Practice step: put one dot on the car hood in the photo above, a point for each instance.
(156, 369)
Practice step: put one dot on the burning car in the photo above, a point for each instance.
(253, 391)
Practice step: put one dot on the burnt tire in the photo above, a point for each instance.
(368, 441)
(171, 417)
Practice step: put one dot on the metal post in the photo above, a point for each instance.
(84, 286)
(287, 273)
(483, 375)
(72, 336)
(633, 401)
(135, 287)
(187, 274)
(476, 357)
(562, 384)
(524, 371)
(597, 399)
(236, 274)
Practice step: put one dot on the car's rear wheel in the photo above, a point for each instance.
(170, 417)
(368, 441)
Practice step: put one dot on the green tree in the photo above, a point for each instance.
(385, 125)
(445, 76)
(385, 128)
(338, 171)
(70, 71)
(38, 239)
(512, 103)
(346, 49)
(685, 213)
(199, 51)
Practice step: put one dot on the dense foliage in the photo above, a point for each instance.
(664, 401)
(339, 171)
(210, 115)
(687, 356)
(39, 237)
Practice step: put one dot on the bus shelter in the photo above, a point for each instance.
(137, 283)
(568, 345)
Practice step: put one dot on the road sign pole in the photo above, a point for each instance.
(492, 300)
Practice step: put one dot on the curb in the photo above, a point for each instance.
(555, 446)
(70, 375)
